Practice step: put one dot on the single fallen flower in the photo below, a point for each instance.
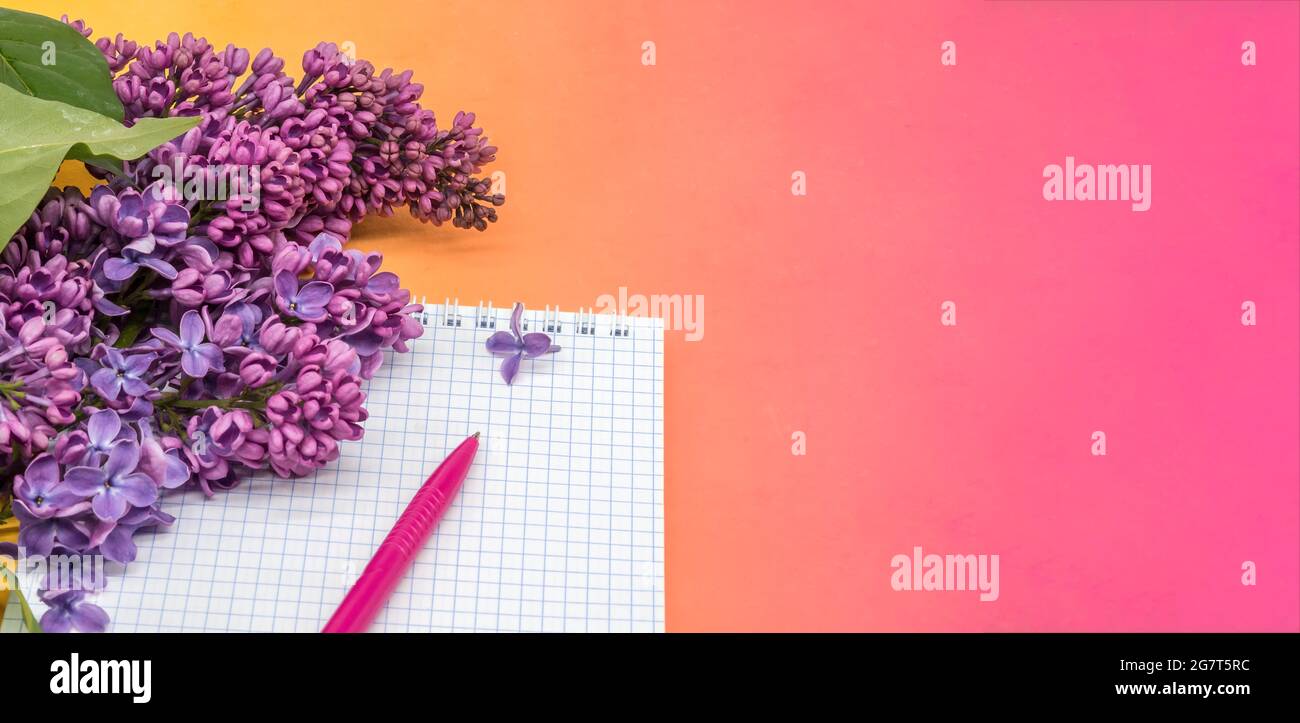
(516, 346)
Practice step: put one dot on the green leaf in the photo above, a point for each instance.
(43, 57)
(29, 618)
(36, 135)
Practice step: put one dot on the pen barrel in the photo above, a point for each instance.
(413, 527)
(389, 564)
(398, 550)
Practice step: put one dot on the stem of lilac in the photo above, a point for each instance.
(200, 217)
(173, 424)
(180, 96)
(249, 80)
(141, 288)
(253, 400)
(130, 332)
(12, 395)
(37, 375)
(219, 403)
(244, 103)
(306, 83)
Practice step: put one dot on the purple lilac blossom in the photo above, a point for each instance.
(121, 373)
(197, 357)
(116, 486)
(69, 610)
(516, 346)
(306, 302)
(40, 493)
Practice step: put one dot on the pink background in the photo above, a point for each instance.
(1072, 317)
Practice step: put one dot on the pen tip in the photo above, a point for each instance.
(474, 435)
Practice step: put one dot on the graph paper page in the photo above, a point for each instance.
(559, 525)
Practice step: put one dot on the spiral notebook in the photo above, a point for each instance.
(559, 526)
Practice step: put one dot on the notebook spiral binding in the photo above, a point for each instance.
(485, 316)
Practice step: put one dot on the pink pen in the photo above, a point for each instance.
(396, 553)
